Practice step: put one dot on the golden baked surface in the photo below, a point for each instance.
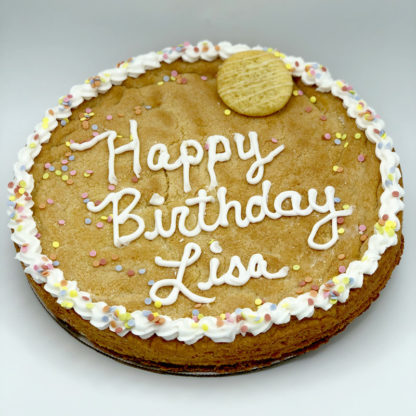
(180, 110)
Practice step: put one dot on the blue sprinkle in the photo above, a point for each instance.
(105, 318)
(147, 107)
(166, 78)
(142, 271)
(380, 145)
(351, 281)
(63, 123)
(87, 221)
(388, 182)
(64, 168)
(178, 48)
(337, 141)
(273, 307)
(72, 157)
(393, 169)
(51, 168)
(113, 308)
(62, 293)
(195, 312)
(56, 263)
(146, 313)
(119, 267)
(131, 322)
(11, 215)
(11, 203)
(337, 200)
(94, 127)
(151, 282)
(86, 200)
(388, 146)
(23, 167)
(318, 75)
(148, 301)
(238, 311)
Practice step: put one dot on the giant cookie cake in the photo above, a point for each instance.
(208, 209)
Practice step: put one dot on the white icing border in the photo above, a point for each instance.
(186, 329)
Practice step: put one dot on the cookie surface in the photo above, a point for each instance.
(254, 83)
(127, 200)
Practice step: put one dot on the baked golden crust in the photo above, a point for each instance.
(192, 110)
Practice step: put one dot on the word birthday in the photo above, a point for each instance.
(255, 211)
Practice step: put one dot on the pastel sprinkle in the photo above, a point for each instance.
(227, 112)
(296, 267)
(148, 301)
(357, 136)
(99, 224)
(109, 117)
(111, 187)
(327, 136)
(87, 221)
(61, 222)
(362, 227)
(258, 302)
(203, 77)
(158, 304)
(361, 157)
(342, 269)
(341, 230)
(92, 253)
(55, 244)
(119, 268)
(312, 99)
(142, 271)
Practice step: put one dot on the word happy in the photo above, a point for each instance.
(255, 211)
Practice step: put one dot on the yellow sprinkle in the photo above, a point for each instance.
(67, 144)
(73, 293)
(296, 267)
(357, 136)
(173, 78)
(21, 191)
(12, 198)
(364, 258)
(55, 244)
(312, 99)
(158, 304)
(340, 288)
(343, 137)
(285, 305)
(345, 280)
(345, 144)
(87, 175)
(194, 325)
(335, 168)
(227, 112)
(58, 172)
(390, 224)
(335, 279)
(390, 176)
(295, 93)
(338, 135)
(204, 327)
(45, 122)
(155, 314)
(45, 176)
(341, 230)
(333, 301)
(103, 217)
(200, 316)
(19, 227)
(288, 66)
(160, 83)
(89, 305)
(67, 304)
(32, 145)
(345, 206)
(222, 316)
(22, 184)
(258, 301)
(64, 177)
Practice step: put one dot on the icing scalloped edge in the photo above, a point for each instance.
(241, 321)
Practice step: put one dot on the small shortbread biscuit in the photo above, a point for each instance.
(254, 83)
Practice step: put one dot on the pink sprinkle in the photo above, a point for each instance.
(71, 141)
(361, 158)
(24, 249)
(93, 253)
(90, 171)
(310, 302)
(109, 117)
(134, 179)
(95, 133)
(362, 227)
(61, 222)
(84, 195)
(111, 187)
(100, 225)
(244, 329)
(327, 136)
(73, 172)
(64, 162)
(206, 146)
(184, 81)
(300, 92)
(195, 318)
(47, 165)
(340, 220)
(342, 269)
(109, 218)
(38, 235)
(308, 109)
(204, 78)
(186, 43)
(323, 118)
(267, 317)
(174, 73)
(88, 110)
(395, 194)
(274, 140)
(385, 217)
(49, 201)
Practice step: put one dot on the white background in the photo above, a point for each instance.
(46, 47)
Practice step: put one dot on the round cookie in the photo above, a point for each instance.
(254, 83)
(312, 236)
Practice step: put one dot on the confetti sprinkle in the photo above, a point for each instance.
(258, 302)
(341, 230)
(158, 304)
(119, 268)
(55, 244)
(142, 271)
(87, 221)
(109, 117)
(362, 227)
(99, 224)
(361, 157)
(327, 136)
(227, 112)
(61, 222)
(312, 99)
(148, 301)
(342, 269)
(130, 273)
(296, 267)
(92, 253)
